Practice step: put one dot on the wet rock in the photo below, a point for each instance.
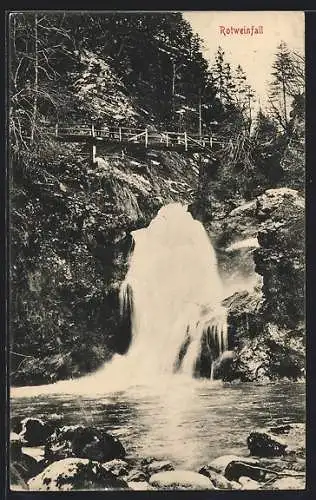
(232, 467)
(15, 446)
(267, 326)
(34, 431)
(289, 483)
(248, 484)
(278, 441)
(218, 480)
(263, 444)
(222, 366)
(75, 474)
(180, 479)
(117, 467)
(159, 466)
(83, 442)
(140, 486)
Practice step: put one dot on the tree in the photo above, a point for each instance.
(39, 59)
(287, 84)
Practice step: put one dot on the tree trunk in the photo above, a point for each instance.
(200, 115)
(35, 102)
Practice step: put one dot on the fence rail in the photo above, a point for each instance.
(149, 138)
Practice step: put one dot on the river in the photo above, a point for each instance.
(187, 423)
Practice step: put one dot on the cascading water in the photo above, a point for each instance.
(173, 292)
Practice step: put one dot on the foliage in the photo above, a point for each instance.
(287, 86)
(70, 223)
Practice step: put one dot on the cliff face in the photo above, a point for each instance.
(267, 322)
(71, 249)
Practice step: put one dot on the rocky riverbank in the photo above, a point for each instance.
(48, 457)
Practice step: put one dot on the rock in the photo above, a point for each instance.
(34, 431)
(280, 258)
(17, 482)
(26, 466)
(117, 467)
(248, 484)
(83, 442)
(159, 466)
(294, 436)
(289, 483)
(232, 467)
(137, 475)
(15, 446)
(218, 480)
(276, 219)
(222, 365)
(75, 474)
(263, 444)
(277, 441)
(140, 486)
(273, 199)
(180, 479)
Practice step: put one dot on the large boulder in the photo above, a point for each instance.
(75, 474)
(34, 431)
(180, 479)
(232, 467)
(278, 440)
(263, 444)
(83, 442)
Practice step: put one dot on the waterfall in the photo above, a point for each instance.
(173, 292)
(172, 295)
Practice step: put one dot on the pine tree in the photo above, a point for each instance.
(280, 86)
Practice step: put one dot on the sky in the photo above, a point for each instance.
(254, 53)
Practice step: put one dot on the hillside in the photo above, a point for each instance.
(71, 220)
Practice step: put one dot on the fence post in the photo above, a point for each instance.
(94, 147)
(167, 141)
(211, 141)
(146, 138)
(185, 141)
(120, 134)
(56, 130)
